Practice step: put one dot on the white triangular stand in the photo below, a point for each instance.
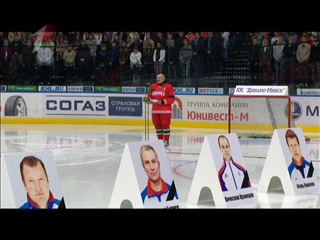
(126, 192)
(206, 175)
(275, 166)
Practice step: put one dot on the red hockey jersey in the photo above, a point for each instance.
(165, 93)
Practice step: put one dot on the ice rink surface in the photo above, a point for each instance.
(87, 159)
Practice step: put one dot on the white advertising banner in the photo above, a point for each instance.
(261, 90)
(186, 108)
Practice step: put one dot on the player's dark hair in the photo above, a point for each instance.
(291, 134)
(222, 136)
(31, 161)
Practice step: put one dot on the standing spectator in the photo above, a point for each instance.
(25, 36)
(44, 48)
(254, 61)
(11, 36)
(83, 61)
(16, 46)
(235, 42)
(6, 57)
(103, 66)
(106, 41)
(306, 37)
(159, 55)
(214, 50)
(135, 64)
(265, 35)
(130, 43)
(138, 42)
(116, 40)
(226, 45)
(148, 41)
(77, 41)
(160, 38)
(276, 38)
(265, 57)
(185, 56)
(92, 44)
(61, 47)
(28, 62)
(114, 64)
(45, 59)
(315, 61)
(227, 50)
(123, 37)
(124, 52)
(69, 57)
(173, 62)
(278, 60)
(98, 38)
(167, 45)
(147, 60)
(198, 56)
(71, 37)
(290, 60)
(303, 56)
(58, 36)
(179, 39)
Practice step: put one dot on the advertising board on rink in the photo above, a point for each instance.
(80, 89)
(187, 108)
(261, 90)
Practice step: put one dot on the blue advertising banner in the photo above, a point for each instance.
(125, 106)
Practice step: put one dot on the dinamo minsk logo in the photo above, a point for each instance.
(296, 110)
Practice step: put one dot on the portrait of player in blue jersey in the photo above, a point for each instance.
(232, 175)
(34, 181)
(299, 168)
(157, 191)
(37, 185)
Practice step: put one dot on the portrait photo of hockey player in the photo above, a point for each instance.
(34, 181)
(156, 183)
(232, 174)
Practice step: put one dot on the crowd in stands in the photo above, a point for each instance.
(134, 58)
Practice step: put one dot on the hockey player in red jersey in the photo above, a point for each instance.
(161, 96)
